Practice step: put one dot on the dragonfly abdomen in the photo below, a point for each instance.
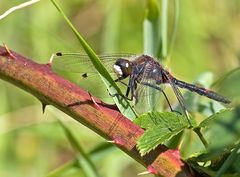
(201, 91)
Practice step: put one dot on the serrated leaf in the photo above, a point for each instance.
(159, 128)
(151, 119)
(155, 136)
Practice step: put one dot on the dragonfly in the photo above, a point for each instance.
(144, 73)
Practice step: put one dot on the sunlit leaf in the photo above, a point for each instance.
(159, 128)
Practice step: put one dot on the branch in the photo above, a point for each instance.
(51, 89)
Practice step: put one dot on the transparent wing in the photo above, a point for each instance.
(79, 69)
(80, 63)
(148, 95)
(178, 95)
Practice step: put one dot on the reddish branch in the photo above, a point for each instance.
(51, 89)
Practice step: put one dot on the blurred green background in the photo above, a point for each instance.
(33, 144)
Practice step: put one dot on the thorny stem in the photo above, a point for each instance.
(51, 89)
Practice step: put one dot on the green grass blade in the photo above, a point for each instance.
(110, 37)
(112, 87)
(83, 159)
(62, 169)
(164, 25)
(151, 29)
(100, 151)
(175, 25)
(225, 76)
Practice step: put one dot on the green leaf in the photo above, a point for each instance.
(159, 128)
(83, 159)
(229, 85)
(228, 162)
(208, 122)
(223, 128)
(223, 134)
(217, 163)
(123, 105)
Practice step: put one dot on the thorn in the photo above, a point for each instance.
(51, 60)
(111, 141)
(180, 145)
(6, 48)
(8, 51)
(150, 170)
(144, 173)
(117, 141)
(43, 107)
(93, 100)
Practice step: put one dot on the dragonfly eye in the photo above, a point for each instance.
(122, 68)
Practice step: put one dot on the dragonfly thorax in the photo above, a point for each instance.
(122, 68)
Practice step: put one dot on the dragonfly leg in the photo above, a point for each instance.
(131, 87)
(118, 94)
(127, 92)
(118, 80)
(158, 88)
(134, 92)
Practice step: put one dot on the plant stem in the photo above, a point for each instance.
(200, 135)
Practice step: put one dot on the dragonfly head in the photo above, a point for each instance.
(122, 68)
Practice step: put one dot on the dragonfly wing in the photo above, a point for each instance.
(178, 95)
(79, 69)
(79, 63)
(148, 95)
